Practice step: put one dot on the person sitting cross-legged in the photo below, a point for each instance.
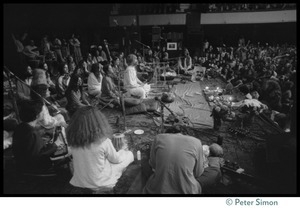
(109, 88)
(185, 65)
(132, 84)
(95, 80)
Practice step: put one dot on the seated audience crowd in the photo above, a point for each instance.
(47, 100)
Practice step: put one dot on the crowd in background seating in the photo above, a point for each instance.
(248, 7)
(269, 70)
(177, 8)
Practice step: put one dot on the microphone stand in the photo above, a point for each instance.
(13, 95)
(121, 99)
(162, 105)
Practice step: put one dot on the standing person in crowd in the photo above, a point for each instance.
(75, 48)
(95, 81)
(65, 49)
(132, 84)
(57, 46)
(63, 81)
(75, 95)
(97, 164)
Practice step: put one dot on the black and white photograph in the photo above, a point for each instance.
(141, 99)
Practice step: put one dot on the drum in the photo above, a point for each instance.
(62, 151)
(118, 141)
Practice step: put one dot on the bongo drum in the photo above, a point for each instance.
(118, 140)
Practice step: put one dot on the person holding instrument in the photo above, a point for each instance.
(41, 91)
(97, 164)
(32, 153)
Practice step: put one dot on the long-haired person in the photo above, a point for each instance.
(75, 95)
(63, 80)
(109, 88)
(95, 81)
(96, 162)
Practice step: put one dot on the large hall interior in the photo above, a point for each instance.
(149, 99)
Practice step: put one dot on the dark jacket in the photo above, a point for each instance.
(30, 150)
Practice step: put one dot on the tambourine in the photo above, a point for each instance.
(118, 141)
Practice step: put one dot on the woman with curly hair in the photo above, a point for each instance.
(96, 162)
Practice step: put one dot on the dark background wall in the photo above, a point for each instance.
(89, 21)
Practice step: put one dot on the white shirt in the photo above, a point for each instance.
(47, 121)
(130, 78)
(98, 165)
(94, 86)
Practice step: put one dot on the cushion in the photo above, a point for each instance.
(141, 108)
(130, 102)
